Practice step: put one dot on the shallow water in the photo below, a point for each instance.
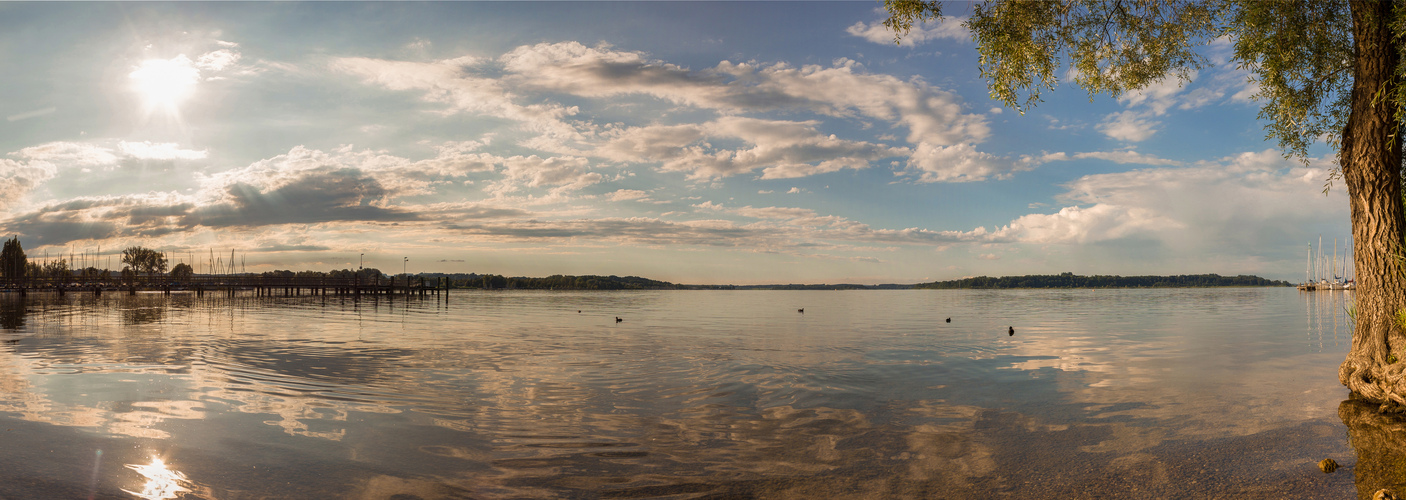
(696, 394)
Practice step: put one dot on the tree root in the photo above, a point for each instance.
(1384, 385)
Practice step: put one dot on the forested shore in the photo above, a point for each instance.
(1071, 280)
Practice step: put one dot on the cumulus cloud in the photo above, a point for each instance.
(1131, 126)
(1083, 225)
(959, 163)
(560, 173)
(842, 89)
(1251, 204)
(780, 149)
(935, 119)
(949, 29)
(18, 178)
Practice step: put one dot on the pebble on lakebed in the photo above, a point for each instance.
(1328, 465)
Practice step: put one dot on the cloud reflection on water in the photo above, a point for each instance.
(513, 401)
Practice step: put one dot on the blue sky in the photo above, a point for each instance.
(728, 142)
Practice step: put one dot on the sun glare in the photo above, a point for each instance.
(165, 83)
(162, 483)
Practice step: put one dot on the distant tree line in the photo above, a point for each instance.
(1071, 280)
(561, 282)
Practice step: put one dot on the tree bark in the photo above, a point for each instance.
(1371, 168)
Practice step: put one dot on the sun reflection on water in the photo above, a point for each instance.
(161, 482)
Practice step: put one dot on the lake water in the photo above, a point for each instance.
(696, 394)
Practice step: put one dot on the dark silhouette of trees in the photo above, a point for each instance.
(144, 260)
(561, 282)
(182, 272)
(57, 269)
(12, 259)
(1071, 280)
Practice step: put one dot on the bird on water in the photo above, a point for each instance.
(1011, 331)
(949, 320)
(801, 310)
(617, 319)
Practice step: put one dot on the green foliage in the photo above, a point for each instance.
(12, 259)
(1112, 46)
(1070, 280)
(182, 272)
(1298, 52)
(144, 260)
(903, 14)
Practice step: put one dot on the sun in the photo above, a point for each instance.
(164, 83)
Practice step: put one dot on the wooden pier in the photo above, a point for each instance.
(262, 286)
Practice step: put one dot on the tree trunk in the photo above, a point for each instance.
(1371, 167)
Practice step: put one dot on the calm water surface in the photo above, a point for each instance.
(697, 394)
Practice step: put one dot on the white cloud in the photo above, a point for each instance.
(843, 89)
(217, 60)
(627, 195)
(1126, 156)
(1159, 96)
(988, 256)
(935, 119)
(30, 114)
(959, 163)
(1083, 225)
(780, 149)
(1131, 126)
(1254, 203)
(786, 213)
(949, 29)
(561, 173)
(73, 153)
(451, 83)
(147, 150)
(19, 178)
